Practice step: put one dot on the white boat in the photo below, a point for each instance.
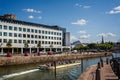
(63, 65)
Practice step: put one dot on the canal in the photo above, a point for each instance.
(69, 73)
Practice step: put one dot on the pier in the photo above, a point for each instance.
(101, 71)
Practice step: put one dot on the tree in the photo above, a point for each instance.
(51, 46)
(9, 44)
(26, 45)
(39, 45)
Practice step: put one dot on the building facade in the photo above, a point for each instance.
(21, 32)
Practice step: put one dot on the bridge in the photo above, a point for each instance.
(18, 60)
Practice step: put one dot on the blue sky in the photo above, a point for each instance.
(86, 20)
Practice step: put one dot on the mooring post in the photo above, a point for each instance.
(55, 69)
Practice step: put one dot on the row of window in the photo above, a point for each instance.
(30, 41)
(5, 27)
(28, 36)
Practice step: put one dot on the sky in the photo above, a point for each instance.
(86, 20)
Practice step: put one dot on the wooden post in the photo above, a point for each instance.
(55, 69)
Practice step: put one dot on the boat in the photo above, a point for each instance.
(58, 66)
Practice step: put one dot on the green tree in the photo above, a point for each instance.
(39, 45)
(9, 44)
(92, 46)
(26, 45)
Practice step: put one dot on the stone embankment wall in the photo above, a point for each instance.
(16, 60)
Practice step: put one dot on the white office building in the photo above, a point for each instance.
(21, 32)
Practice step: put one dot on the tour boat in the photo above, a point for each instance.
(58, 66)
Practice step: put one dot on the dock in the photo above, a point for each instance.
(102, 71)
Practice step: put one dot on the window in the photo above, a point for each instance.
(24, 41)
(5, 40)
(20, 41)
(28, 36)
(15, 41)
(35, 42)
(10, 27)
(45, 32)
(42, 32)
(28, 30)
(45, 42)
(35, 36)
(20, 29)
(5, 33)
(10, 34)
(35, 31)
(28, 41)
(1, 41)
(10, 40)
(0, 26)
(24, 29)
(15, 28)
(24, 35)
(0, 33)
(54, 33)
(15, 34)
(32, 30)
(45, 37)
(20, 35)
(5, 27)
(39, 37)
(42, 37)
(39, 31)
(32, 36)
(32, 42)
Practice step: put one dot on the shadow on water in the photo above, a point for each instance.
(69, 73)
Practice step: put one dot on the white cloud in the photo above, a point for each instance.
(82, 32)
(82, 6)
(84, 36)
(115, 10)
(73, 38)
(31, 10)
(86, 7)
(101, 34)
(40, 17)
(80, 22)
(30, 17)
(110, 34)
(107, 34)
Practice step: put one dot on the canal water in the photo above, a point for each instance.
(69, 73)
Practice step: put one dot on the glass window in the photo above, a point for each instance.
(42, 32)
(15, 28)
(24, 29)
(28, 41)
(39, 31)
(10, 34)
(5, 40)
(20, 41)
(5, 33)
(1, 41)
(20, 29)
(52, 33)
(0, 33)
(32, 30)
(24, 41)
(15, 41)
(42, 37)
(20, 35)
(35, 36)
(10, 27)
(32, 36)
(35, 31)
(0, 26)
(5, 27)
(28, 36)
(45, 32)
(28, 30)
(15, 34)
(39, 37)
(35, 42)
(32, 42)
(24, 35)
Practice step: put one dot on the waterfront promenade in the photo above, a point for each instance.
(99, 72)
(18, 60)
